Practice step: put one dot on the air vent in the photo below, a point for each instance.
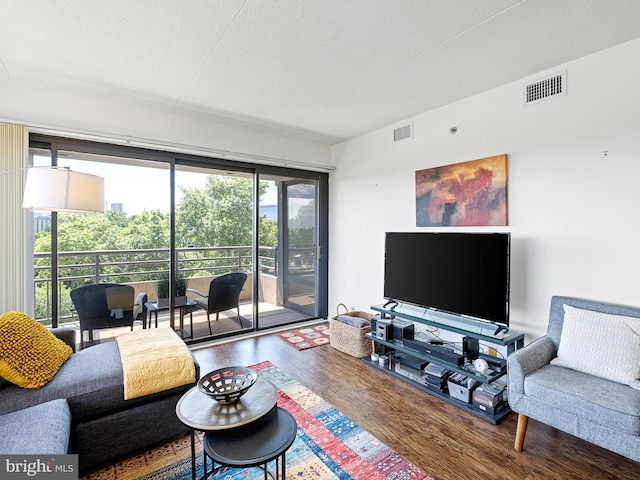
(546, 89)
(402, 133)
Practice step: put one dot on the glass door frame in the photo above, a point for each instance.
(56, 143)
(285, 241)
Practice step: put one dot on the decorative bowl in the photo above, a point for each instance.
(227, 385)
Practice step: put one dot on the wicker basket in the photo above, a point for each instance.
(349, 339)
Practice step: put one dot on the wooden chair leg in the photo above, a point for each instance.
(521, 429)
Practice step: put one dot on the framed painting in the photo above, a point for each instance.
(471, 193)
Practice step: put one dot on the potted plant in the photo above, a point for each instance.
(180, 290)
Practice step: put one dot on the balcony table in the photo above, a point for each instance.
(183, 306)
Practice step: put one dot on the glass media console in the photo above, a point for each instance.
(421, 358)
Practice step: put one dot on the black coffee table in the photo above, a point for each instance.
(200, 412)
(253, 445)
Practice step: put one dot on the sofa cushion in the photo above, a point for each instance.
(611, 404)
(39, 430)
(600, 344)
(91, 380)
(30, 355)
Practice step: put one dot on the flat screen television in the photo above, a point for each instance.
(460, 273)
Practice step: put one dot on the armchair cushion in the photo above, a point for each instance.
(30, 355)
(600, 344)
(610, 404)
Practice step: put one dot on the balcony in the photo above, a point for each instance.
(143, 268)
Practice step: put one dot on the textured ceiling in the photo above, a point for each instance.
(326, 69)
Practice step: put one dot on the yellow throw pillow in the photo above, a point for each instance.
(30, 355)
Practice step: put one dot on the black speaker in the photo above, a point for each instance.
(470, 348)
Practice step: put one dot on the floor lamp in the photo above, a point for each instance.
(58, 189)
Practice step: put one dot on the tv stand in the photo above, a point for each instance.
(398, 352)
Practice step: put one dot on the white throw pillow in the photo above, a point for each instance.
(600, 344)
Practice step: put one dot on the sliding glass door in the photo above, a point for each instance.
(175, 225)
(300, 245)
(214, 247)
(289, 243)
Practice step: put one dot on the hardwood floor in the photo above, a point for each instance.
(439, 438)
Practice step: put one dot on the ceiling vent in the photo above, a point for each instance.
(546, 89)
(403, 133)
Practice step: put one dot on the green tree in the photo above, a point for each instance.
(219, 215)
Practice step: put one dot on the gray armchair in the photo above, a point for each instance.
(590, 407)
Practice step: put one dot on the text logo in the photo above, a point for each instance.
(39, 467)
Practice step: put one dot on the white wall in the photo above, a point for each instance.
(91, 111)
(573, 212)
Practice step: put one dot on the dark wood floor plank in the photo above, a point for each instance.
(439, 438)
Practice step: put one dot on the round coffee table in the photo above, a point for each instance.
(198, 411)
(253, 445)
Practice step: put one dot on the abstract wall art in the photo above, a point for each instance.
(471, 193)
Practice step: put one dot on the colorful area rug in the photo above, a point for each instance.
(308, 337)
(329, 446)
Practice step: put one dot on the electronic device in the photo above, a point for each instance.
(470, 347)
(459, 273)
(436, 373)
(495, 364)
(435, 351)
(436, 377)
(413, 362)
(374, 324)
(400, 329)
(403, 329)
(384, 330)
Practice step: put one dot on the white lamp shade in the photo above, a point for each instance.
(61, 190)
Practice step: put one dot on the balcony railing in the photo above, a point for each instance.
(132, 266)
(147, 265)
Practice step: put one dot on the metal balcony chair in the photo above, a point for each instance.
(103, 305)
(224, 294)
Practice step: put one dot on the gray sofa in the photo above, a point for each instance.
(43, 429)
(597, 410)
(82, 410)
